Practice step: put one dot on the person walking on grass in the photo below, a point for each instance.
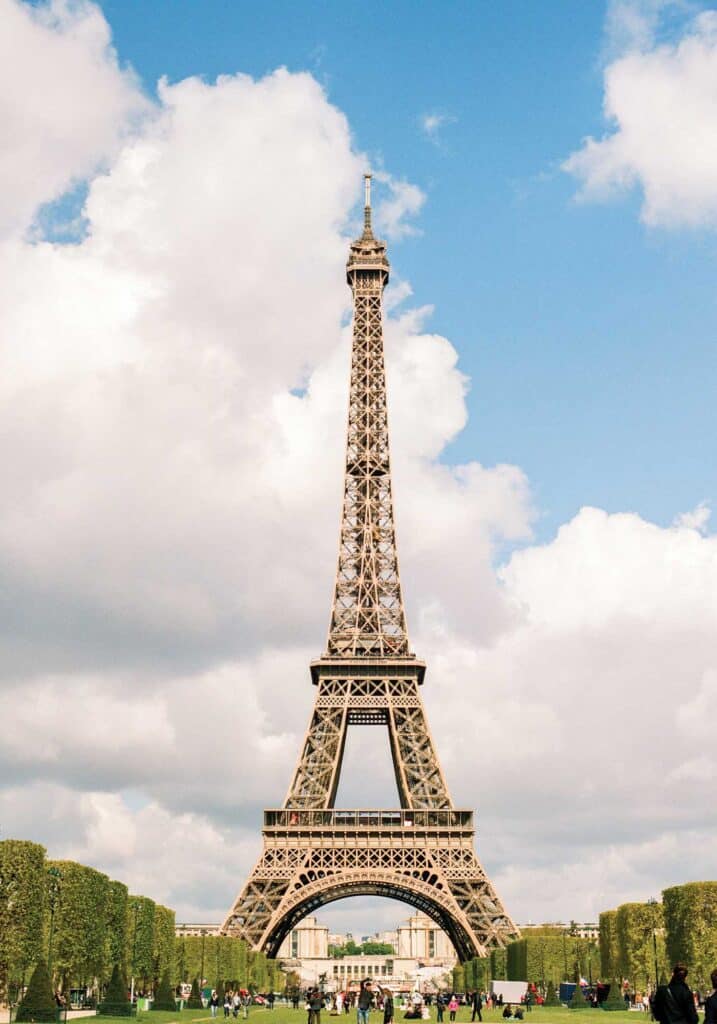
(452, 1007)
(387, 1006)
(476, 1006)
(365, 1001)
(711, 1001)
(674, 1002)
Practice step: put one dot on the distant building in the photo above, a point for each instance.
(587, 930)
(196, 929)
(423, 954)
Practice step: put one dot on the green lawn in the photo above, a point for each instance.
(285, 1015)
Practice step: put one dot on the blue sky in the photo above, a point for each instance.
(588, 337)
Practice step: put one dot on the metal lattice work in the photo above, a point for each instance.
(423, 853)
(367, 618)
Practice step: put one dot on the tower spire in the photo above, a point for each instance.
(367, 618)
(367, 230)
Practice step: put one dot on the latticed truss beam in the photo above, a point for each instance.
(423, 853)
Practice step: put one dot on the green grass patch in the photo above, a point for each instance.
(285, 1015)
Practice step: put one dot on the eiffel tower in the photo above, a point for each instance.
(423, 853)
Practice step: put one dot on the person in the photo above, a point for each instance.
(507, 1011)
(387, 1006)
(270, 997)
(227, 1002)
(674, 1002)
(236, 1003)
(316, 1004)
(518, 1013)
(440, 1006)
(529, 1001)
(245, 1004)
(476, 1006)
(339, 1002)
(452, 1006)
(365, 1000)
(711, 1001)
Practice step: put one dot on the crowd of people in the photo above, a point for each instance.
(673, 1003)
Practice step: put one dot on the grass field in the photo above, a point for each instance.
(285, 1015)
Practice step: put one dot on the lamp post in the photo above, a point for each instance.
(201, 973)
(653, 903)
(54, 877)
(134, 953)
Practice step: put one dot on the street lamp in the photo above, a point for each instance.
(54, 877)
(134, 953)
(653, 903)
(201, 973)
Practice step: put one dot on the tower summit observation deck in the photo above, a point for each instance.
(423, 852)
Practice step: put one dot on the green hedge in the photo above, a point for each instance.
(640, 927)
(609, 953)
(551, 956)
(690, 916)
(80, 923)
(22, 895)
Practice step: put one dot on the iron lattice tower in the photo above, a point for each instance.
(424, 852)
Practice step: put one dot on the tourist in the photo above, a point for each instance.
(674, 1002)
(387, 1006)
(365, 1001)
(227, 1002)
(316, 1004)
(476, 1005)
(245, 1004)
(440, 1006)
(452, 1007)
(711, 1002)
(236, 1003)
(507, 1012)
(270, 1000)
(339, 1002)
(213, 1003)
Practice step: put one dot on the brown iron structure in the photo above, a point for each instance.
(423, 853)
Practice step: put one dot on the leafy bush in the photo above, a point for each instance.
(164, 996)
(195, 999)
(551, 996)
(116, 1003)
(38, 1003)
(614, 999)
(690, 913)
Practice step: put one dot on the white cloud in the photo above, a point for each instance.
(66, 102)
(431, 124)
(173, 406)
(661, 103)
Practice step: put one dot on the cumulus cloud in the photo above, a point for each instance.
(660, 102)
(173, 409)
(66, 106)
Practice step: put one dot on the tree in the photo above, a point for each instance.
(690, 916)
(38, 1003)
(162, 942)
(140, 939)
(577, 1000)
(22, 895)
(609, 955)
(195, 999)
(164, 996)
(640, 931)
(459, 978)
(116, 1003)
(116, 928)
(614, 999)
(551, 996)
(80, 923)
